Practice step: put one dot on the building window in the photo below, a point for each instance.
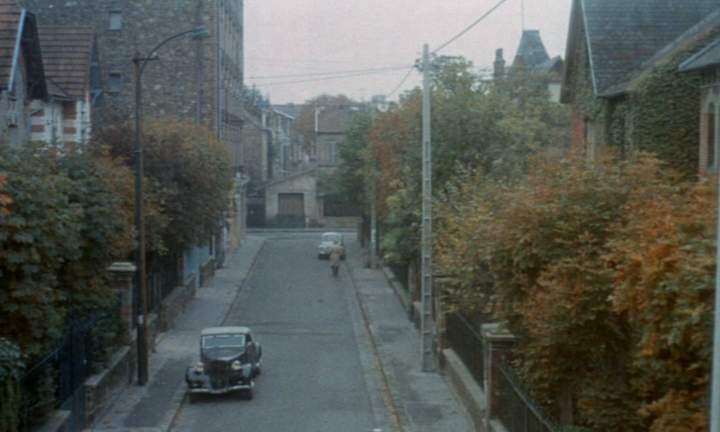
(710, 137)
(115, 82)
(116, 22)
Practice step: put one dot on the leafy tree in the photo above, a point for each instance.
(188, 170)
(61, 223)
(493, 127)
(604, 273)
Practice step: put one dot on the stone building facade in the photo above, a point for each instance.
(199, 80)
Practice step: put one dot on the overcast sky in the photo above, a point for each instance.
(288, 39)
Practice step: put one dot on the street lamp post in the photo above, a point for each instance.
(142, 334)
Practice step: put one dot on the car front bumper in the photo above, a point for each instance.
(228, 389)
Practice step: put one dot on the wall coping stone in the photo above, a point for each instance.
(468, 390)
(118, 356)
(497, 332)
(122, 267)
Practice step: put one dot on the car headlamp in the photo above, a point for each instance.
(236, 366)
(200, 367)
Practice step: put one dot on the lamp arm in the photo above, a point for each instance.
(160, 45)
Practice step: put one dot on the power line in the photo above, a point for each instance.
(319, 74)
(327, 78)
(468, 28)
(400, 84)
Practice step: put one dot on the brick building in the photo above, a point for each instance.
(200, 80)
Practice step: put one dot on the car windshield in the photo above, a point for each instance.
(236, 341)
(332, 237)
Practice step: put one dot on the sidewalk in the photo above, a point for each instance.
(423, 402)
(152, 408)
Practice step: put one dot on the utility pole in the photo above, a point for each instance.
(142, 333)
(373, 219)
(715, 389)
(427, 327)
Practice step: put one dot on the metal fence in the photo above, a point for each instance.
(163, 277)
(56, 380)
(516, 410)
(467, 342)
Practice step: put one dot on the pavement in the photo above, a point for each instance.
(152, 408)
(402, 398)
(420, 401)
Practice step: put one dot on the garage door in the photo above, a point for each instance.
(291, 210)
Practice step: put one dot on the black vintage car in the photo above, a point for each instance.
(230, 359)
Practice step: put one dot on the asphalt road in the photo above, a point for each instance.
(318, 369)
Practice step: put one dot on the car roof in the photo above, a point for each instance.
(224, 330)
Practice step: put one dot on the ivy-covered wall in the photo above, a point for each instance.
(664, 112)
(660, 114)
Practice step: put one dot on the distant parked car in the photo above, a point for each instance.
(230, 359)
(329, 241)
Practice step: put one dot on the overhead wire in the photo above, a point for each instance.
(318, 74)
(325, 78)
(468, 28)
(448, 43)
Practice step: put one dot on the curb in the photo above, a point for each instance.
(179, 397)
(390, 402)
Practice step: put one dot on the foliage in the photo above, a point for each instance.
(11, 366)
(63, 222)
(188, 172)
(475, 125)
(604, 272)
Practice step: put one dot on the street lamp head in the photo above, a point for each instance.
(200, 33)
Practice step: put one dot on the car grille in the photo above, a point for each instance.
(219, 373)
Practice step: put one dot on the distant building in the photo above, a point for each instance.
(199, 80)
(72, 68)
(331, 126)
(532, 57)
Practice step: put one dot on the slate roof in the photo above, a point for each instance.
(622, 35)
(531, 53)
(10, 16)
(67, 53)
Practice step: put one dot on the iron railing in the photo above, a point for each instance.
(56, 379)
(467, 342)
(516, 410)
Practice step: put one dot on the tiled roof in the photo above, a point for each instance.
(531, 53)
(624, 34)
(67, 53)
(9, 21)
